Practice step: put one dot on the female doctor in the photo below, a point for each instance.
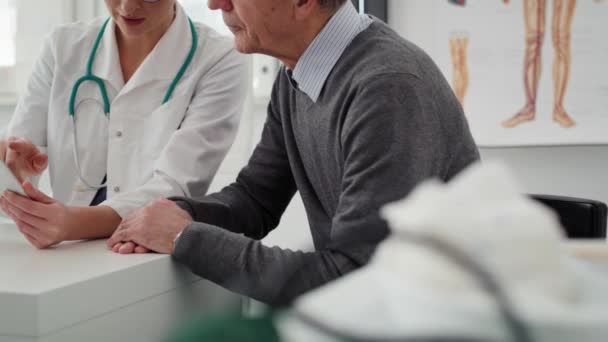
(139, 106)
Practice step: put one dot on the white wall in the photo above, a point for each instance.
(32, 30)
(35, 20)
(578, 171)
(8, 25)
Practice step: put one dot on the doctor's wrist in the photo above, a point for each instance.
(90, 222)
(76, 221)
(69, 225)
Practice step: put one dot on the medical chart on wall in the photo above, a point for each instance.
(527, 72)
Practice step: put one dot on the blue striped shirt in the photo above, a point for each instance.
(318, 60)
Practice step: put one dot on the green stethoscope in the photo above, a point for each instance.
(104, 95)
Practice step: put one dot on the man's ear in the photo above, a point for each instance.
(304, 8)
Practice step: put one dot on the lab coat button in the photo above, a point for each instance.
(119, 134)
(116, 189)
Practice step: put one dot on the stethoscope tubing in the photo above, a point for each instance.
(90, 77)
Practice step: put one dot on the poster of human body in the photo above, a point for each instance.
(527, 72)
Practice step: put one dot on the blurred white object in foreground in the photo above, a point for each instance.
(411, 290)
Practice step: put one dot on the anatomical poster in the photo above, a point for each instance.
(527, 72)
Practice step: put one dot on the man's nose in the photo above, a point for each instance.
(224, 5)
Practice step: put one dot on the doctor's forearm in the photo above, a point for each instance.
(91, 222)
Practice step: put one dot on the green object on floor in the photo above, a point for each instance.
(231, 327)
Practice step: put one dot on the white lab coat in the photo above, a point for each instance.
(149, 149)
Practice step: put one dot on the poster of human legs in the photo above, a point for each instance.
(459, 42)
(527, 72)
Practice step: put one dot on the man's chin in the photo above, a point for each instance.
(244, 46)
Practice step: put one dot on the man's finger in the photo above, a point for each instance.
(127, 248)
(123, 235)
(141, 250)
(116, 247)
(110, 245)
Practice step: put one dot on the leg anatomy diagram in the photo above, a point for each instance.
(459, 41)
(460, 75)
(561, 23)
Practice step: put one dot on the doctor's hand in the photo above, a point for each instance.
(153, 227)
(41, 219)
(22, 157)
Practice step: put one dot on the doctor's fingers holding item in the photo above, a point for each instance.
(139, 105)
(40, 218)
(22, 157)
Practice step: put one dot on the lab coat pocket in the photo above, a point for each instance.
(160, 125)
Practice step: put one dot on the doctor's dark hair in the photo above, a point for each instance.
(332, 4)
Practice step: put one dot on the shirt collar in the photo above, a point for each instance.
(320, 57)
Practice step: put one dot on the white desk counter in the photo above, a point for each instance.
(83, 292)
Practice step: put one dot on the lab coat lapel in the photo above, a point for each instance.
(107, 62)
(167, 57)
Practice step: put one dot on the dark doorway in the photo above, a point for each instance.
(377, 8)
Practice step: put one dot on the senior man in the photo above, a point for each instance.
(358, 116)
